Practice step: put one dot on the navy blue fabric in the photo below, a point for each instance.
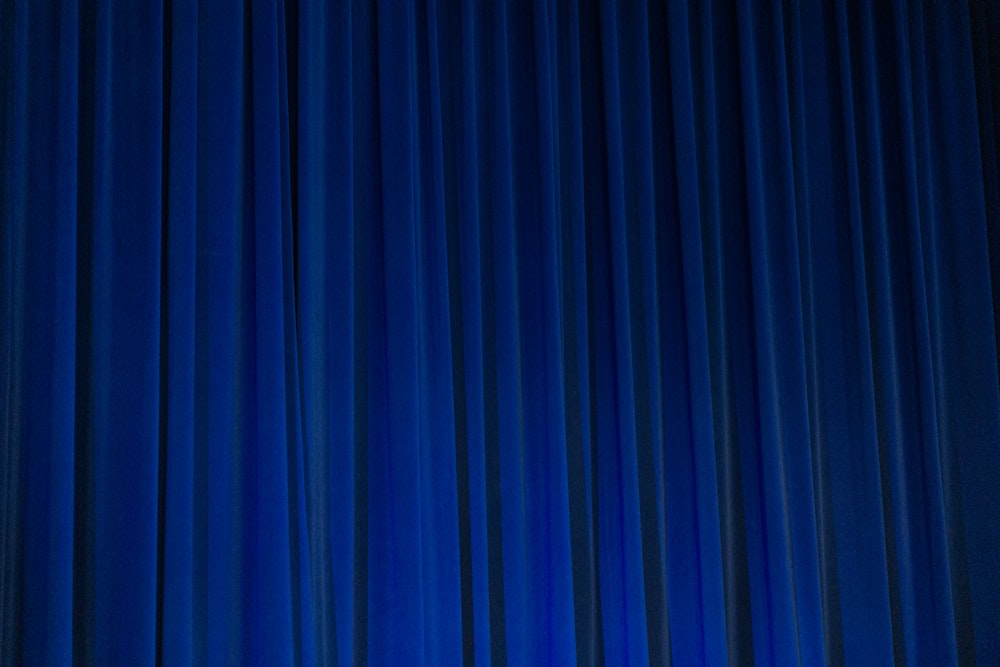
(499, 333)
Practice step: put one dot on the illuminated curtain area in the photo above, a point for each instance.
(499, 333)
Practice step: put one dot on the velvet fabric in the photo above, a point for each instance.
(493, 333)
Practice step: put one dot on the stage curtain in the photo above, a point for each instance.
(435, 333)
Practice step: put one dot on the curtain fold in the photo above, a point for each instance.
(499, 333)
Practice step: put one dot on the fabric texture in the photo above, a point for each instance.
(499, 333)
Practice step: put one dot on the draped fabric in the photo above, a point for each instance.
(499, 333)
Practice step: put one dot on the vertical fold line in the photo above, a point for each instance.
(83, 481)
(161, 502)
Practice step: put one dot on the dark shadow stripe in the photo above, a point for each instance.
(736, 569)
(161, 500)
(961, 597)
(491, 418)
(360, 464)
(494, 526)
(295, 445)
(365, 111)
(984, 19)
(654, 581)
(733, 274)
(739, 617)
(595, 214)
(833, 631)
(291, 104)
(449, 122)
(864, 138)
(653, 572)
(11, 483)
(83, 486)
(461, 442)
(584, 573)
(582, 556)
(200, 481)
(597, 622)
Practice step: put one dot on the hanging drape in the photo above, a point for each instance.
(499, 333)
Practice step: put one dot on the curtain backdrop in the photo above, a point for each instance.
(499, 333)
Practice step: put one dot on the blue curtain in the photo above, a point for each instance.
(499, 333)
